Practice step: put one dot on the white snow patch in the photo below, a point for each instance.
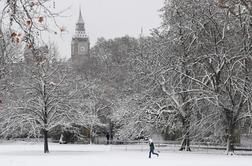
(104, 155)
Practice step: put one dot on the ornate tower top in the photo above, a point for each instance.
(80, 31)
(80, 45)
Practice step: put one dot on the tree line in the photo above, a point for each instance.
(189, 80)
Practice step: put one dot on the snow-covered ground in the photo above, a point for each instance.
(105, 155)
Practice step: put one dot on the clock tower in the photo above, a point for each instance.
(80, 45)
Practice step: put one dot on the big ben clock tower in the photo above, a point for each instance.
(80, 45)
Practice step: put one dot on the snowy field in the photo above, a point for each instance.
(106, 155)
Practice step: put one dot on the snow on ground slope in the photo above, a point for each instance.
(103, 155)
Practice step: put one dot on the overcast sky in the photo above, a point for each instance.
(107, 18)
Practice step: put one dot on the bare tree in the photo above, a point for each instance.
(219, 43)
(44, 98)
(28, 19)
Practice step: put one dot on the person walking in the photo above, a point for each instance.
(152, 148)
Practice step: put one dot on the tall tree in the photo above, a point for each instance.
(219, 42)
(43, 99)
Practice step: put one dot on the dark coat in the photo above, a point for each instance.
(151, 146)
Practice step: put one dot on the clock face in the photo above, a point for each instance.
(82, 49)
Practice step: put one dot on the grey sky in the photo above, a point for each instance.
(107, 18)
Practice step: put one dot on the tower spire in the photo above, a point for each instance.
(80, 20)
(141, 32)
(80, 26)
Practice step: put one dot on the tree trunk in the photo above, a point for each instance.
(107, 136)
(91, 135)
(111, 139)
(230, 134)
(111, 132)
(229, 145)
(61, 140)
(230, 142)
(185, 144)
(46, 149)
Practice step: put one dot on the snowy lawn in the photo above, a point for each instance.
(105, 155)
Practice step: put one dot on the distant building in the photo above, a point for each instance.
(80, 45)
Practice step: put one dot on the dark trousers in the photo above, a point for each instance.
(152, 151)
